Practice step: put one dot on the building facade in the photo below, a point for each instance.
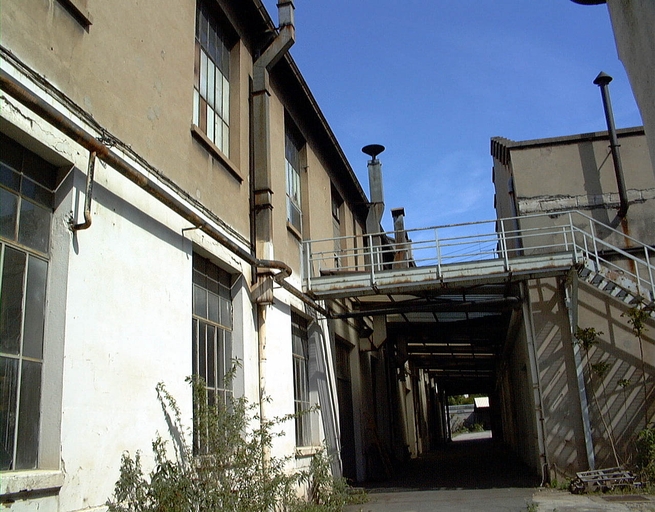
(161, 165)
(590, 404)
(632, 22)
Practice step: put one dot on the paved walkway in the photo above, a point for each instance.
(478, 475)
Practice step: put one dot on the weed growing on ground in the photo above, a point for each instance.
(226, 468)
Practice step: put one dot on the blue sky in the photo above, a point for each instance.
(433, 81)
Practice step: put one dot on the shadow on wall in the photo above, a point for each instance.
(563, 424)
(619, 406)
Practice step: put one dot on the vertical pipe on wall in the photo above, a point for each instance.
(602, 81)
(536, 384)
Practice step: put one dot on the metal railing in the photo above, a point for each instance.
(476, 243)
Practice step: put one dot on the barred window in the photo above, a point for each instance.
(300, 347)
(212, 328)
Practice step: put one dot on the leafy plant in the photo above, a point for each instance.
(637, 317)
(646, 454)
(227, 467)
(587, 338)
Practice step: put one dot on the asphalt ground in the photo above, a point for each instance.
(477, 474)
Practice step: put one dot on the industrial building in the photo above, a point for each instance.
(169, 168)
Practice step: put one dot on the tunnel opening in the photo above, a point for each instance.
(446, 348)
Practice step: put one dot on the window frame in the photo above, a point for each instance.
(212, 57)
(32, 181)
(302, 403)
(221, 324)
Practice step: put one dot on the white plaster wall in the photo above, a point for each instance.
(128, 328)
(279, 376)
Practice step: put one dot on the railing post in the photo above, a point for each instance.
(575, 252)
(593, 239)
(308, 269)
(372, 258)
(503, 245)
(650, 274)
(436, 239)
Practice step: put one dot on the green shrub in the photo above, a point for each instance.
(227, 468)
(646, 454)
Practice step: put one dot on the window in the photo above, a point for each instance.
(27, 185)
(300, 347)
(292, 150)
(211, 94)
(212, 328)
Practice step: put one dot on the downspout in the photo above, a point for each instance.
(262, 188)
(90, 171)
(536, 384)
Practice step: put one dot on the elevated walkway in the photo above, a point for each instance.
(473, 255)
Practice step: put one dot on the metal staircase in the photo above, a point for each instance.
(480, 253)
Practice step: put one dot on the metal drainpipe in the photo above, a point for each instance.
(262, 188)
(88, 194)
(602, 81)
(536, 384)
(168, 198)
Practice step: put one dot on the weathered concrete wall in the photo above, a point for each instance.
(564, 435)
(516, 398)
(615, 393)
(577, 173)
(633, 21)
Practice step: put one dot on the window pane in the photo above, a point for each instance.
(212, 41)
(203, 74)
(212, 304)
(8, 211)
(27, 446)
(211, 123)
(8, 387)
(211, 89)
(225, 61)
(34, 226)
(211, 355)
(9, 177)
(226, 101)
(220, 362)
(11, 300)
(194, 347)
(226, 313)
(219, 94)
(36, 192)
(227, 359)
(35, 308)
(196, 106)
(226, 140)
(199, 301)
(196, 66)
(203, 28)
(219, 133)
(11, 153)
(202, 351)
